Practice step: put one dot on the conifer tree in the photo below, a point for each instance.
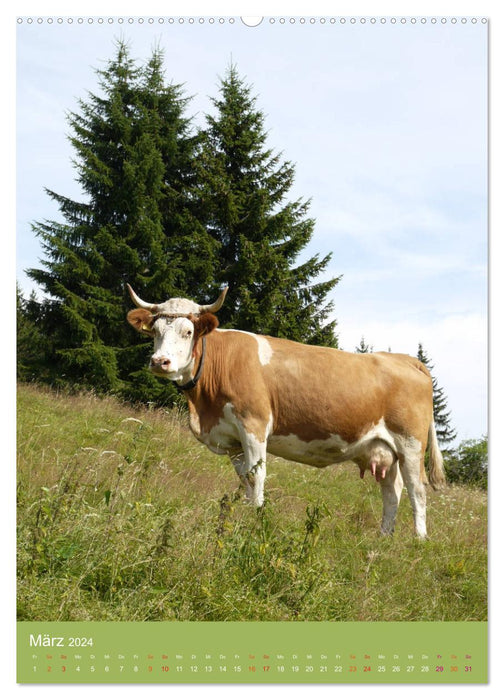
(134, 163)
(243, 191)
(363, 347)
(444, 431)
(31, 343)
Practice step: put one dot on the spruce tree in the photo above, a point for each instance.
(31, 342)
(363, 347)
(134, 159)
(444, 431)
(243, 195)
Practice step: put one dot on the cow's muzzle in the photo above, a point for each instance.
(161, 365)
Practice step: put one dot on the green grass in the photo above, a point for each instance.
(123, 515)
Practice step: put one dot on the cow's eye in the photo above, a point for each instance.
(188, 334)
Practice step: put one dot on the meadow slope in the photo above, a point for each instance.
(123, 515)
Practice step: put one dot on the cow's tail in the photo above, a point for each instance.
(437, 478)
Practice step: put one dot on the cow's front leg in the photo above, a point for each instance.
(250, 464)
(251, 468)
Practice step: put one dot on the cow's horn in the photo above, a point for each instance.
(216, 305)
(136, 300)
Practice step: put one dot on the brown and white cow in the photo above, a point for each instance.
(252, 394)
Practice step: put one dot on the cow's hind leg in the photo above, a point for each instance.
(391, 487)
(411, 463)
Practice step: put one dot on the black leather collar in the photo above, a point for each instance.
(192, 382)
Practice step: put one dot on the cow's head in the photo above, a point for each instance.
(175, 325)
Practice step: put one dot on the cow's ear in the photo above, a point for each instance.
(141, 320)
(205, 324)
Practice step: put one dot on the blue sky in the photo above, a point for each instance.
(387, 126)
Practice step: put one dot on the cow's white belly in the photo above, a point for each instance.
(317, 453)
(332, 450)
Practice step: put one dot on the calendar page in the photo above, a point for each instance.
(252, 279)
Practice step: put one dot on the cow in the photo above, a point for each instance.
(251, 394)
